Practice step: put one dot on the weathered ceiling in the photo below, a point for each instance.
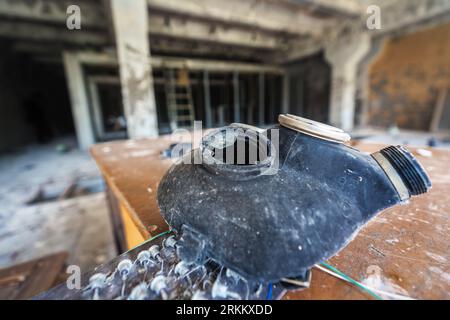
(246, 30)
(232, 29)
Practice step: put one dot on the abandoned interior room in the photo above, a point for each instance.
(342, 110)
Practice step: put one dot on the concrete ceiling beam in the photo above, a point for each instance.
(211, 65)
(276, 16)
(38, 32)
(338, 8)
(196, 30)
(53, 11)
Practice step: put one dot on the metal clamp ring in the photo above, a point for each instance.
(313, 128)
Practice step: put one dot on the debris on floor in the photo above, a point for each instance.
(53, 202)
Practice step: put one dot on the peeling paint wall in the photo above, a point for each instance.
(404, 81)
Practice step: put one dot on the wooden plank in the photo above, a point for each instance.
(135, 189)
(132, 235)
(116, 221)
(30, 278)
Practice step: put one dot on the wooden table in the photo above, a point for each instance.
(405, 249)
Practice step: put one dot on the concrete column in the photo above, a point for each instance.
(286, 84)
(206, 92)
(237, 106)
(261, 98)
(130, 24)
(344, 56)
(96, 108)
(78, 100)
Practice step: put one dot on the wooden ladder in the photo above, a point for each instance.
(179, 99)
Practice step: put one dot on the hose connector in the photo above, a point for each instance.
(404, 171)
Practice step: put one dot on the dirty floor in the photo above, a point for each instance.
(52, 201)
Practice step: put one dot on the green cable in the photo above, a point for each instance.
(152, 238)
(356, 283)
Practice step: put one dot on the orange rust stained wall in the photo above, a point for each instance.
(406, 77)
